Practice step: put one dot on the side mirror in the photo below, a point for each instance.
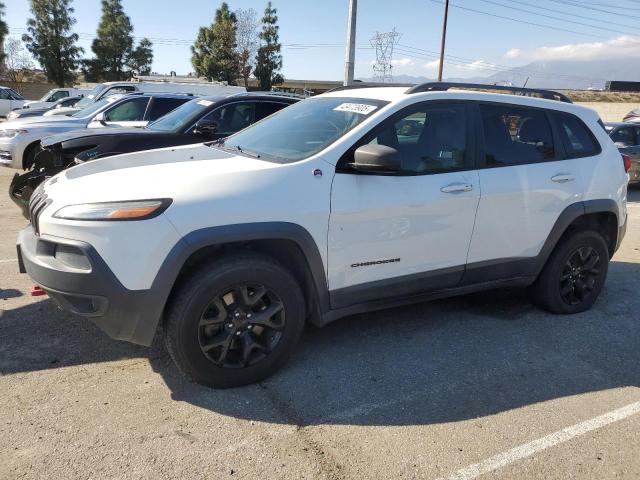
(376, 158)
(100, 118)
(205, 128)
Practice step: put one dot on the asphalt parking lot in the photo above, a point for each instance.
(478, 386)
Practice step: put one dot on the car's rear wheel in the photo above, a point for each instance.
(574, 275)
(236, 321)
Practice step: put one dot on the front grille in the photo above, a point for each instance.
(38, 202)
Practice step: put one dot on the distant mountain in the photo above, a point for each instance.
(558, 74)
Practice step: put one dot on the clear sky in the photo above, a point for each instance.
(313, 32)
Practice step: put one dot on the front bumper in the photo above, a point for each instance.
(76, 278)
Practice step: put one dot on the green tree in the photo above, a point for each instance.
(269, 59)
(115, 55)
(213, 55)
(3, 29)
(50, 40)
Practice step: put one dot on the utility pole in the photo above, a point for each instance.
(444, 38)
(351, 43)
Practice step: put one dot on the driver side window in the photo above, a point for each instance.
(130, 110)
(430, 138)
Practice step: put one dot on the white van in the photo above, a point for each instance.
(54, 95)
(9, 99)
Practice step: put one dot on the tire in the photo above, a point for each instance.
(559, 281)
(248, 344)
(29, 155)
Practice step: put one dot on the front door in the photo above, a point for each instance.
(395, 235)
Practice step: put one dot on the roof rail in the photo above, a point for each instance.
(367, 85)
(525, 92)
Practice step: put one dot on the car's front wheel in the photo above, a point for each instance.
(235, 321)
(574, 274)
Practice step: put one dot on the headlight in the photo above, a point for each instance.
(129, 210)
(11, 133)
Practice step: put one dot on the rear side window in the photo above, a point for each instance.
(516, 136)
(577, 138)
(626, 136)
(264, 109)
(161, 106)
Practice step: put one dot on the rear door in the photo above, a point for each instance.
(526, 183)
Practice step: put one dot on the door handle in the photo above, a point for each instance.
(563, 178)
(457, 188)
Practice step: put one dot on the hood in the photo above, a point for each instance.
(168, 172)
(98, 132)
(44, 122)
(35, 104)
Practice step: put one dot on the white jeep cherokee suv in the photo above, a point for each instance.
(355, 200)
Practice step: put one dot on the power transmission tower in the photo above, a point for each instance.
(384, 43)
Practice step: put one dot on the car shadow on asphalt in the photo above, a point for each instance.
(443, 361)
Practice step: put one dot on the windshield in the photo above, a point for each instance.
(89, 99)
(91, 109)
(303, 129)
(181, 117)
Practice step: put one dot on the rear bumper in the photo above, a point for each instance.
(622, 230)
(76, 278)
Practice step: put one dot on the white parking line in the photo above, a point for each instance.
(8, 260)
(523, 451)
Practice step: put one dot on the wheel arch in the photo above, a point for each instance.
(600, 215)
(290, 244)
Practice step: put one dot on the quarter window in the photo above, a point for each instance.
(431, 138)
(515, 135)
(576, 137)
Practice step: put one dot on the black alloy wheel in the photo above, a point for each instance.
(241, 325)
(580, 275)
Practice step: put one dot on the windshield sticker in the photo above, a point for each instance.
(204, 103)
(360, 108)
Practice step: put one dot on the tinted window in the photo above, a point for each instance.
(233, 117)
(625, 136)
(515, 135)
(5, 95)
(161, 106)
(130, 110)
(264, 109)
(182, 117)
(431, 138)
(576, 137)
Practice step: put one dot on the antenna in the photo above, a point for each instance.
(384, 43)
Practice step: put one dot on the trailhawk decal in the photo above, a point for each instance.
(360, 108)
(375, 262)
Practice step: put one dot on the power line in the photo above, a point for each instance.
(519, 21)
(587, 7)
(573, 22)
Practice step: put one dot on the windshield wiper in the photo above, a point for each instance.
(245, 152)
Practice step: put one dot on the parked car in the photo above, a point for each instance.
(102, 90)
(626, 136)
(54, 95)
(9, 99)
(633, 116)
(199, 120)
(37, 112)
(322, 210)
(20, 139)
